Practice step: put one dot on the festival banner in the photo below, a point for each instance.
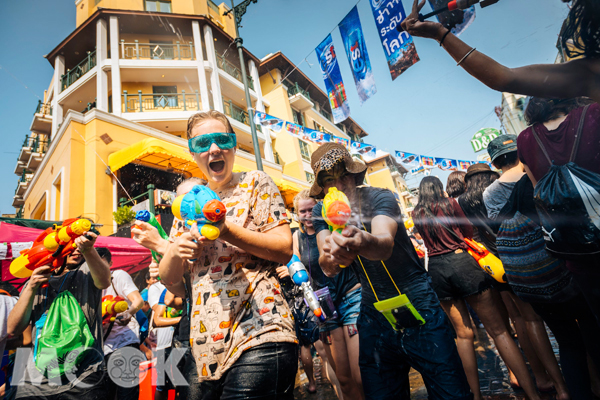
(446, 164)
(408, 159)
(317, 136)
(268, 121)
(356, 51)
(464, 165)
(340, 140)
(457, 21)
(427, 161)
(362, 149)
(294, 129)
(417, 170)
(333, 80)
(399, 47)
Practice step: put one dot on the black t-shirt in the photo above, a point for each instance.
(404, 264)
(338, 285)
(81, 285)
(182, 331)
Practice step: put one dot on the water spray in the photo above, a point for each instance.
(457, 5)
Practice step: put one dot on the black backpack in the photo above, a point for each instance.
(567, 199)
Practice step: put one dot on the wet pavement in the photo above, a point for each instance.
(493, 377)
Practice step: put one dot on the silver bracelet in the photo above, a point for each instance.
(466, 55)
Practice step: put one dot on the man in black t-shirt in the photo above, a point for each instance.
(375, 245)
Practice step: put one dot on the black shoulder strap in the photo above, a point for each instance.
(578, 134)
(539, 142)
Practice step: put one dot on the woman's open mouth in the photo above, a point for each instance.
(217, 166)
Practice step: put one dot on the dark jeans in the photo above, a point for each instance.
(97, 391)
(577, 331)
(587, 276)
(190, 372)
(387, 355)
(121, 393)
(265, 372)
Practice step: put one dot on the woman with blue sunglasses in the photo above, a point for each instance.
(241, 330)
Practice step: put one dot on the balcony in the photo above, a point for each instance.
(157, 51)
(24, 180)
(141, 102)
(42, 118)
(32, 152)
(78, 71)
(232, 70)
(235, 112)
(299, 97)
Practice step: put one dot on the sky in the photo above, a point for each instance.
(434, 108)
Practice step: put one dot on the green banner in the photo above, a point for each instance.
(483, 137)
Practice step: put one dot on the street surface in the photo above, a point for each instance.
(493, 377)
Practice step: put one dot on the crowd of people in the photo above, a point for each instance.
(224, 320)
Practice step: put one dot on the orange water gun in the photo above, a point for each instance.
(486, 260)
(50, 248)
(203, 206)
(111, 306)
(336, 211)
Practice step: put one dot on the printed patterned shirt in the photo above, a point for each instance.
(236, 297)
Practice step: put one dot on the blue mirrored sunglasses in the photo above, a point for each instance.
(202, 143)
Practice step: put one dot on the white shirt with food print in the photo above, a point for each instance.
(236, 298)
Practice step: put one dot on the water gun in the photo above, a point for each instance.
(486, 260)
(299, 276)
(111, 306)
(173, 312)
(457, 5)
(50, 248)
(203, 206)
(147, 216)
(336, 211)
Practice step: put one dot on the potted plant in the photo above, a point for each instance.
(124, 217)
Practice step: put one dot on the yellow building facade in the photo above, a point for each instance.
(125, 83)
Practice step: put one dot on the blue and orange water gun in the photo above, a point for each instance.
(202, 206)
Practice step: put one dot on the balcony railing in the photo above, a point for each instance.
(232, 70)
(37, 144)
(78, 71)
(214, 6)
(294, 89)
(157, 51)
(141, 102)
(326, 114)
(235, 112)
(43, 108)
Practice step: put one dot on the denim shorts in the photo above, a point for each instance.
(386, 355)
(348, 310)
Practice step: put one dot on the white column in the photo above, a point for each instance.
(57, 110)
(101, 56)
(200, 62)
(114, 66)
(268, 147)
(214, 74)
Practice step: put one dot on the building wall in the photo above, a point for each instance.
(512, 116)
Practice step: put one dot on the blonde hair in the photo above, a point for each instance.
(200, 117)
(194, 180)
(303, 195)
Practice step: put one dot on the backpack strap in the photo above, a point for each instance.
(537, 139)
(578, 134)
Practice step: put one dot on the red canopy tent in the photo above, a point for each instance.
(126, 253)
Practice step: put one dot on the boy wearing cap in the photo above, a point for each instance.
(380, 253)
(503, 153)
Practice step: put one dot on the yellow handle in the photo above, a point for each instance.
(210, 232)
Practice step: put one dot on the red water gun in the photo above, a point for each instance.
(50, 248)
(111, 306)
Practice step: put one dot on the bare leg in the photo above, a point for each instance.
(486, 306)
(461, 321)
(339, 355)
(328, 369)
(541, 345)
(352, 348)
(307, 362)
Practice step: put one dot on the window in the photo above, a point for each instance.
(304, 150)
(163, 98)
(298, 117)
(158, 5)
(310, 177)
(319, 127)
